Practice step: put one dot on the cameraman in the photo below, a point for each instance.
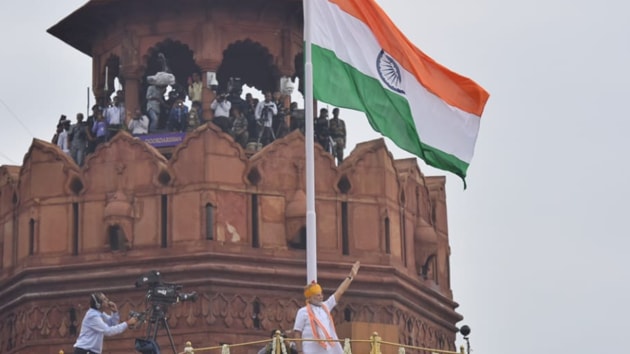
(139, 124)
(97, 324)
(265, 111)
(221, 109)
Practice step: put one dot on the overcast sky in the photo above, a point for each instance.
(539, 248)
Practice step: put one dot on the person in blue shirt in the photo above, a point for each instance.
(178, 117)
(97, 324)
(99, 129)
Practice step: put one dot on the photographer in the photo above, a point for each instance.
(97, 324)
(265, 111)
(139, 124)
(221, 109)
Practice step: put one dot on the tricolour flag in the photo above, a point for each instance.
(362, 61)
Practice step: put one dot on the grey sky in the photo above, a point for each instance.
(539, 260)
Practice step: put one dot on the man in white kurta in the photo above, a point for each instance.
(314, 320)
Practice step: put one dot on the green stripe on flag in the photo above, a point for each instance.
(440, 159)
(340, 84)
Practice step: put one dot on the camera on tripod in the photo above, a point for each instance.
(160, 296)
(161, 292)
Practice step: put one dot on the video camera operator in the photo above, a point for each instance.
(264, 117)
(97, 324)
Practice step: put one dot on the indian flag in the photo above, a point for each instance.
(362, 61)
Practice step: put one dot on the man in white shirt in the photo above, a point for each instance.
(97, 324)
(114, 117)
(221, 107)
(63, 141)
(139, 124)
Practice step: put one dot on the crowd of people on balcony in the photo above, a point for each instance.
(253, 123)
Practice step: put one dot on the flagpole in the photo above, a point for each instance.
(311, 229)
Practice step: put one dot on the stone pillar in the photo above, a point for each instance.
(286, 60)
(131, 70)
(98, 82)
(132, 75)
(209, 58)
(286, 103)
(207, 95)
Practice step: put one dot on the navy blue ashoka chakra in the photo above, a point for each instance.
(389, 71)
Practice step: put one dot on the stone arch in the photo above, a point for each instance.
(298, 240)
(180, 61)
(116, 237)
(252, 63)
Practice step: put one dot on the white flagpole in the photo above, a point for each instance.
(311, 229)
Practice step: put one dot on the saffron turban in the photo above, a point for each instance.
(312, 289)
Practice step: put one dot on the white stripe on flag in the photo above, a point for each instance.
(438, 124)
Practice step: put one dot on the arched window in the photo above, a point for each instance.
(347, 314)
(300, 243)
(116, 237)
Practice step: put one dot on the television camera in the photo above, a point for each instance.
(161, 292)
(266, 114)
(160, 295)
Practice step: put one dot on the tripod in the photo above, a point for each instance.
(157, 318)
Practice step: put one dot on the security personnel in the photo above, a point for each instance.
(321, 129)
(337, 129)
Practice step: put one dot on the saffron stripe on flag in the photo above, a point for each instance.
(353, 69)
(456, 90)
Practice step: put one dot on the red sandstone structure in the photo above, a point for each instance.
(212, 218)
